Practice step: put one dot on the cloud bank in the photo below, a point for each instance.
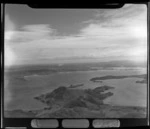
(111, 34)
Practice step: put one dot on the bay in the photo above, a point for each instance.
(20, 94)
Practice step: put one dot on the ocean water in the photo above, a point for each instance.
(19, 94)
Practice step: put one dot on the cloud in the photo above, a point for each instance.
(30, 33)
(126, 13)
(9, 55)
(45, 28)
(117, 22)
(125, 29)
(9, 28)
(110, 34)
(9, 25)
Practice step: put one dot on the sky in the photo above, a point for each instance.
(45, 36)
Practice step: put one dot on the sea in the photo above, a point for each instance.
(19, 94)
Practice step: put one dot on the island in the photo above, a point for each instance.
(65, 102)
(96, 79)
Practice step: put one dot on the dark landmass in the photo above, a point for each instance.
(105, 111)
(63, 96)
(65, 102)
(95, 79)
(75, 86)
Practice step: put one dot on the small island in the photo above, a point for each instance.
(75, 86)
(144, 81)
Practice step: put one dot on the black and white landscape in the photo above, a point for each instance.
(78, 63)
